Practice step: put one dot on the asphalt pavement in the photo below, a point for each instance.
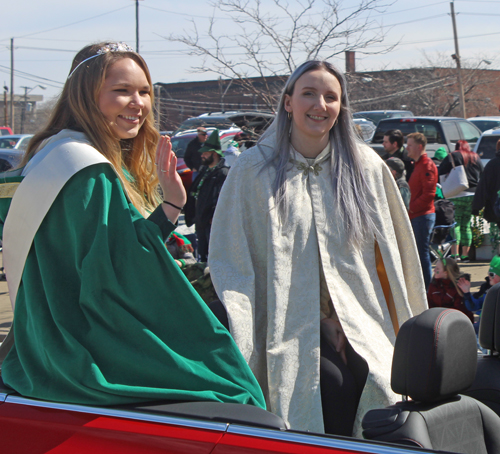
(477, 269)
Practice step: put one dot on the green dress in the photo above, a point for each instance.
(103, 314)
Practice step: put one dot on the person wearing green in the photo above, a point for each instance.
(103, 314)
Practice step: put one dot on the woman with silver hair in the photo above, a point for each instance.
(313, 257)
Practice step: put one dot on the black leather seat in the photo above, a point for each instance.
(486, 386)
(434, 360)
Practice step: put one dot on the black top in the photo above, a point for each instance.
(204, 194)
(473, 170)
(486, 191)
(192, 156)
(407, 161)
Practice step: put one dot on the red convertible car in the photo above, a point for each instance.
(33, 426)
(451, 405)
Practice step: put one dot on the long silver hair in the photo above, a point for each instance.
(350, 188)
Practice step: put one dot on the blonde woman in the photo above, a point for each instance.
(103, 314)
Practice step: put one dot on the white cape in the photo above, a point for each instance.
(269, 279)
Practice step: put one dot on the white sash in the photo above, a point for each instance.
(44, 177)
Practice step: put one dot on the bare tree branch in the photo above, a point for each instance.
(271, 38)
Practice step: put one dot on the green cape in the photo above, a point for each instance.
(104, 315)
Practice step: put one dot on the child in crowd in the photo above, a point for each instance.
(444, 290)
(181, 249)
(475, 303)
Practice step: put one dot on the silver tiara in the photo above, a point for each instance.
(111, 47)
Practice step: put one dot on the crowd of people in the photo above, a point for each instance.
(311, 253)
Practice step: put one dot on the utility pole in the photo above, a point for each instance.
(158, 106)
(137, 26)
(12, 84)
(456, 57)
(5, 115)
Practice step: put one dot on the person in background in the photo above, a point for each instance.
(463, 201)
(103, 315)
(231, 153)
(397, 169)
(191, 157)
(444, 290)
(393, 145)
(486, 194)
(244, 140)
(422, 212)
(181, 250)
(204, 192)
(475, 302)
(439, 155)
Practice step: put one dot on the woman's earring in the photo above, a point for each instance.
(290, 116)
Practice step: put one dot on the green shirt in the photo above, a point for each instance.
(104, 315)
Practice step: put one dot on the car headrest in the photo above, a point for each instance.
(489, 327)
(435, 356)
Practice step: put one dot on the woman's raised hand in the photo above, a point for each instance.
(464, 285)
(170, 181)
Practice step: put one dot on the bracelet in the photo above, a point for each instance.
(172, 205)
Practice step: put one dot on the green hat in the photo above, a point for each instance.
(495, 265)
(213, 144)
(441, 153)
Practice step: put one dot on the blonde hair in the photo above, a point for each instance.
(78, 109)
(454, 273)
(418, 137)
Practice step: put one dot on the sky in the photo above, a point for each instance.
(47, 34)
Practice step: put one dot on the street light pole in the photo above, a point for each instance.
(5, 115)
(12, 84)
(456, 57)
(23, 112)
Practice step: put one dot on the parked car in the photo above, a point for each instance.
(180, 142)
(12, 148)
(36, 426)
(16, 141)
(438, 347)
(485, 123)
(486, 145)
(376, 115)
(439, 131)
(5, 131)
(253, 121)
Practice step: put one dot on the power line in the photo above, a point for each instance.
(46, 48)
(73, 23)
(28, 76)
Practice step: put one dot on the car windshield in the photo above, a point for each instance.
(377, 116)
(8, 142)
(212, 122)
(484, 125)
(487, 147)
(430, 131)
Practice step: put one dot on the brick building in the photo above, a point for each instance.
(424, 91)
